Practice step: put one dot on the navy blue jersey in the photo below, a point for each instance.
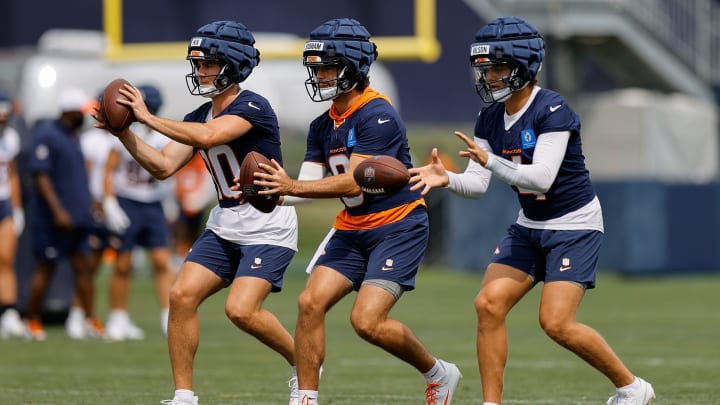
(374, 129)
(57, 153)
(223, 161)
(548, 112)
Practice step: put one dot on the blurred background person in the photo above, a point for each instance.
(133, 207)
(60, 208)
(96, 144)
(12, 223)
(194, 193)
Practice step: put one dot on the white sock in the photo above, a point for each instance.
(490, 403)
(185, 395)
(312, 397)
(164, 314)
(76, 313)
(634, 385)
(435, 373)
(118, 315)
(293, 370)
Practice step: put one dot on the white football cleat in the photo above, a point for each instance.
(294, 396)
(178, 401)
(441, 392)
(11, 326)
(643, 395)
(75, 324)
(119, 327)
(294, 390)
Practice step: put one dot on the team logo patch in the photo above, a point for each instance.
(527, 136)
(42, 152)
(197, 41)
(351, 139)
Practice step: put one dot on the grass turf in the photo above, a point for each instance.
(666, 330)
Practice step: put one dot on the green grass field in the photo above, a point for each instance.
(666, 330)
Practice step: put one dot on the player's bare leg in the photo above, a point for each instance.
(194, 284)
(120, 281)
(164, 278)
(244, 308)
(369, 318)
(558, 307)
(502, 287)
(324, 288)
(8, 280)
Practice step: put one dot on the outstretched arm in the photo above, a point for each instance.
(160, 164)
(472, 183)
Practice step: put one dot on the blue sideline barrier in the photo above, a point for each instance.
(650, 227)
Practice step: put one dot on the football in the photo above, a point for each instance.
(117, 116)
(381, 174)
(250, 165)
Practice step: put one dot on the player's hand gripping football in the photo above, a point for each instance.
(133, 99)
(276, 180)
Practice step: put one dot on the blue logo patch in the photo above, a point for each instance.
(527, 136)
(351, 140)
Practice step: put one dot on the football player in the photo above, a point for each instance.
(241, 247)
(12, 223)
(529, 137)
(61, 208)
(377, 241)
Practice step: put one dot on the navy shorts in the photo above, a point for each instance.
(148, 226)
(391, 252)
(230, 260)
(5, 209)
(551, 255)
(50, 244)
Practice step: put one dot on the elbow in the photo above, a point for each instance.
(161, 174)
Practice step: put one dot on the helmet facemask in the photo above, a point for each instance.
(328, 88)
(489, 90)
(220, 83)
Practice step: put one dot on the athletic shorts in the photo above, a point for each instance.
(6, 209)
(391, 252)
(50, 244)
(148, 226)
(551, 255)
(229, 260)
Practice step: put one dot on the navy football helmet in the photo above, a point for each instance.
(152, 97)
(508, 41)
(344, 43)
(227, 42)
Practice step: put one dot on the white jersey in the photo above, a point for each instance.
(233, 219)
(131, 180)
(245, 225)
(96, 145)
(9, 148)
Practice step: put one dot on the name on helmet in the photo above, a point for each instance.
(314, 46)
(480, 50)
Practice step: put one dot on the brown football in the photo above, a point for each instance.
(250, 165)
(117, 116)
(381, 174)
